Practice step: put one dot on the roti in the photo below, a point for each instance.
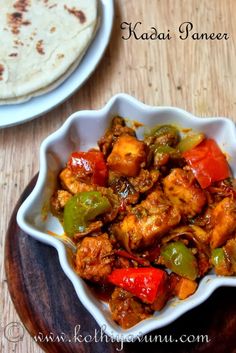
(42, 43)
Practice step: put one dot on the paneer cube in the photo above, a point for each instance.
(71, 183)
(223, 221)
(94, 258)
(148, 221)
(181, 188)
(128, 156)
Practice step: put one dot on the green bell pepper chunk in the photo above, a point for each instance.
(220, 262)
(165, 135)
(189, 142)
(218, 257)
(163, 130)
(83, 208)
(179, 259)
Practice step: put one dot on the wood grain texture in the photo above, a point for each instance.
(199, 76)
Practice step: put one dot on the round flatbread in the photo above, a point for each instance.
(43, 42)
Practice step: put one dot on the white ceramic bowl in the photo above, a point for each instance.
(80, 132)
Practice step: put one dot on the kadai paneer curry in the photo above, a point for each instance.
(148, 218)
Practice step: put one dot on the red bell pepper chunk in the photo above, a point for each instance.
(145, 283)
(89, 164)
(207, 162)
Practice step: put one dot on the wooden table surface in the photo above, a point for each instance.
(197, 75)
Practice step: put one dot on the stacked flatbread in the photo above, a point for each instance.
(41, 43)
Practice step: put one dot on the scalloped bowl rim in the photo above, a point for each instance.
(207, 285)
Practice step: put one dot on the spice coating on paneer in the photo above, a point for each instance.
(148, 221)
(128, 156)
(181, 188)
(94, 258)
(71, 183)
(223, 221)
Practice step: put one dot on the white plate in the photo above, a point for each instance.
(18, 113)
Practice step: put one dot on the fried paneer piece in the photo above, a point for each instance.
(181, 188)
(223, 222)
(127, 310)
(117, 129)
(71, 183)
(58, 200)
(149, 220)
(94, 258)
(128, 156)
